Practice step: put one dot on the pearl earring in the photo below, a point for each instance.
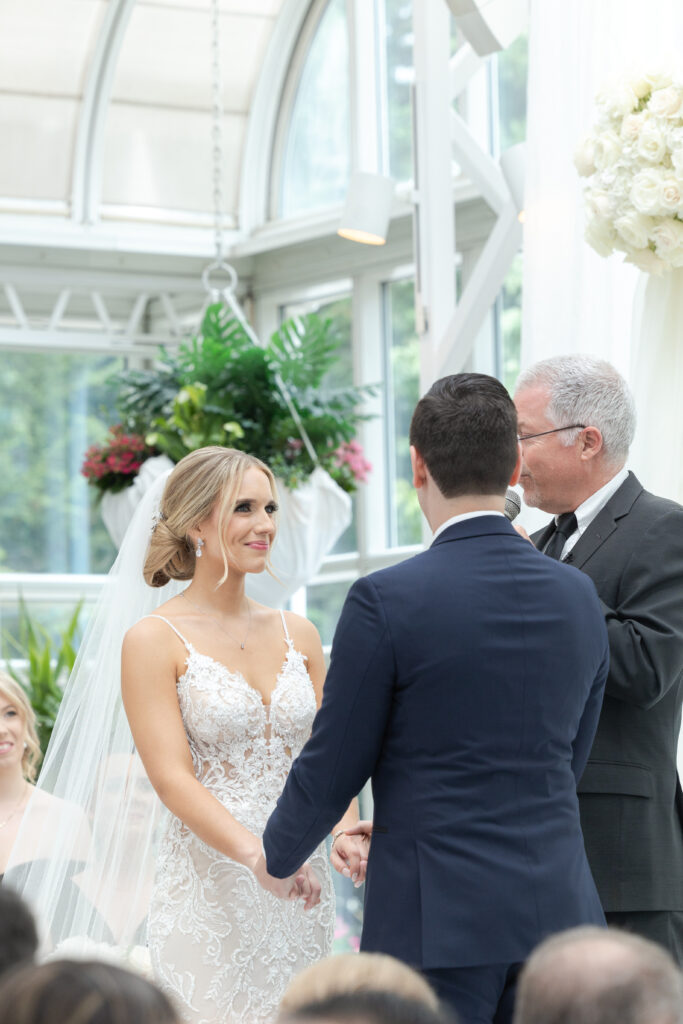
(200, 545)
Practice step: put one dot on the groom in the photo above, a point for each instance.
(467, 683)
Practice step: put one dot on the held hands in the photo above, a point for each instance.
(350, 850)
(303, 885)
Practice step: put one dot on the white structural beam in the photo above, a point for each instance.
(478, 165)
(480, 292)
(87, 174)
(464, 64)
(434, 220)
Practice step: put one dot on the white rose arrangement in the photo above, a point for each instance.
(633, 161)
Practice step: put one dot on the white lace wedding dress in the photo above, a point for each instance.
(222, 947)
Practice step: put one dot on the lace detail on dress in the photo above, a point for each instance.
(221, 946)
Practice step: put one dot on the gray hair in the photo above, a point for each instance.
(586, 390)
(592, 976)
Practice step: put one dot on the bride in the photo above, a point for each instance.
(220, 694)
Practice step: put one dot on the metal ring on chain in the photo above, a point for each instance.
(224, 267)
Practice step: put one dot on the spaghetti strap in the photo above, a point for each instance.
(284, 626)
(176, 631)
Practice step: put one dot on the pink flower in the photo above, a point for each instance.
(350, 454)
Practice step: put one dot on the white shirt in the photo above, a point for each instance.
(588, 510)
(462, 517)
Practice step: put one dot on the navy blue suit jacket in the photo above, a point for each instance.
(467, 683)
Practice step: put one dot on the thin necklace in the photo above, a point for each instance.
(219, 623)
(16, 809)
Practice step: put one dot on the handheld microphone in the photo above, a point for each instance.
(512, 504)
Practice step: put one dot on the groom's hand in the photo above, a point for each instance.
(350, 851)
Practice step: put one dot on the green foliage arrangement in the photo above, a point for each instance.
(222, 389)
(46, 670)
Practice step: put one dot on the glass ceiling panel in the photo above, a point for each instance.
(157, 130)
(37, 163)
(162, 158)
(157, 66)
(45, 48)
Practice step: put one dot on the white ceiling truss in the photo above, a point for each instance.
(121, 313)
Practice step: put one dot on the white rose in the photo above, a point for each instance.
(651, 143)
(645, 191)
(631, 126)
(647, 260)
(668, 237)
(634, 229)
(584, 157)
(671, 192)
(677, 161)
(607, 149)
(600, 235)
(640, 86)
(599, 204)
(617, 99)
(657, 79)
(665, 102)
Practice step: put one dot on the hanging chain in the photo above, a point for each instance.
(217, 128)
(228, 292)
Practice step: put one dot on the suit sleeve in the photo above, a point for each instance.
(588, 724)
(646, 627)
(347, 734)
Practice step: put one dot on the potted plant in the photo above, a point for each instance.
(272, 401)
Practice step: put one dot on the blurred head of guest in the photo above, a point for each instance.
(19, 759)
(18, 935)
(596, 976)
(368, 1007)
(356, 972)
(81, 992)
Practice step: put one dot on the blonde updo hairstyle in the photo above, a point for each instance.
(203, 478)
(13, 693)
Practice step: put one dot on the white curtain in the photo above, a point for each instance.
(575, 300)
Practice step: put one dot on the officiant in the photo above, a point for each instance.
(576, 423)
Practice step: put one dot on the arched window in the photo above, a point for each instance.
(315, 159)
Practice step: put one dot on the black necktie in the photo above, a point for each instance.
(564, 528)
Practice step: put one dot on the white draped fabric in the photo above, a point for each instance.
(575, 300)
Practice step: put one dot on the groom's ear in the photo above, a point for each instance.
(419, 468)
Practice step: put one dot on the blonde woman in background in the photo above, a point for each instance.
(19, 759)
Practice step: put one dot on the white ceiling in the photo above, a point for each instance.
(155, 153)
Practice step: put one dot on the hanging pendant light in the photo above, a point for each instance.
(368, 208)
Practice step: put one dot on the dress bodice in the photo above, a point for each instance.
(242, 748)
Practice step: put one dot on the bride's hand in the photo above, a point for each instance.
(309, 886)
(350, 850)
(303, 885)
(283, 888)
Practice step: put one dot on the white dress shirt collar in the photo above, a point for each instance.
(588, 510)
(462, 517)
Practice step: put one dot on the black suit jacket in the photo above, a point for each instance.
(629, 795)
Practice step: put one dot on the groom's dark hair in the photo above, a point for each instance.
(465, 429)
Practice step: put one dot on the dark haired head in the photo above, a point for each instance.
(465, 429)
(83, 991)
(18, 936)
(368, 1007)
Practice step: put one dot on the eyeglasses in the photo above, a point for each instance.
(572, 426)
